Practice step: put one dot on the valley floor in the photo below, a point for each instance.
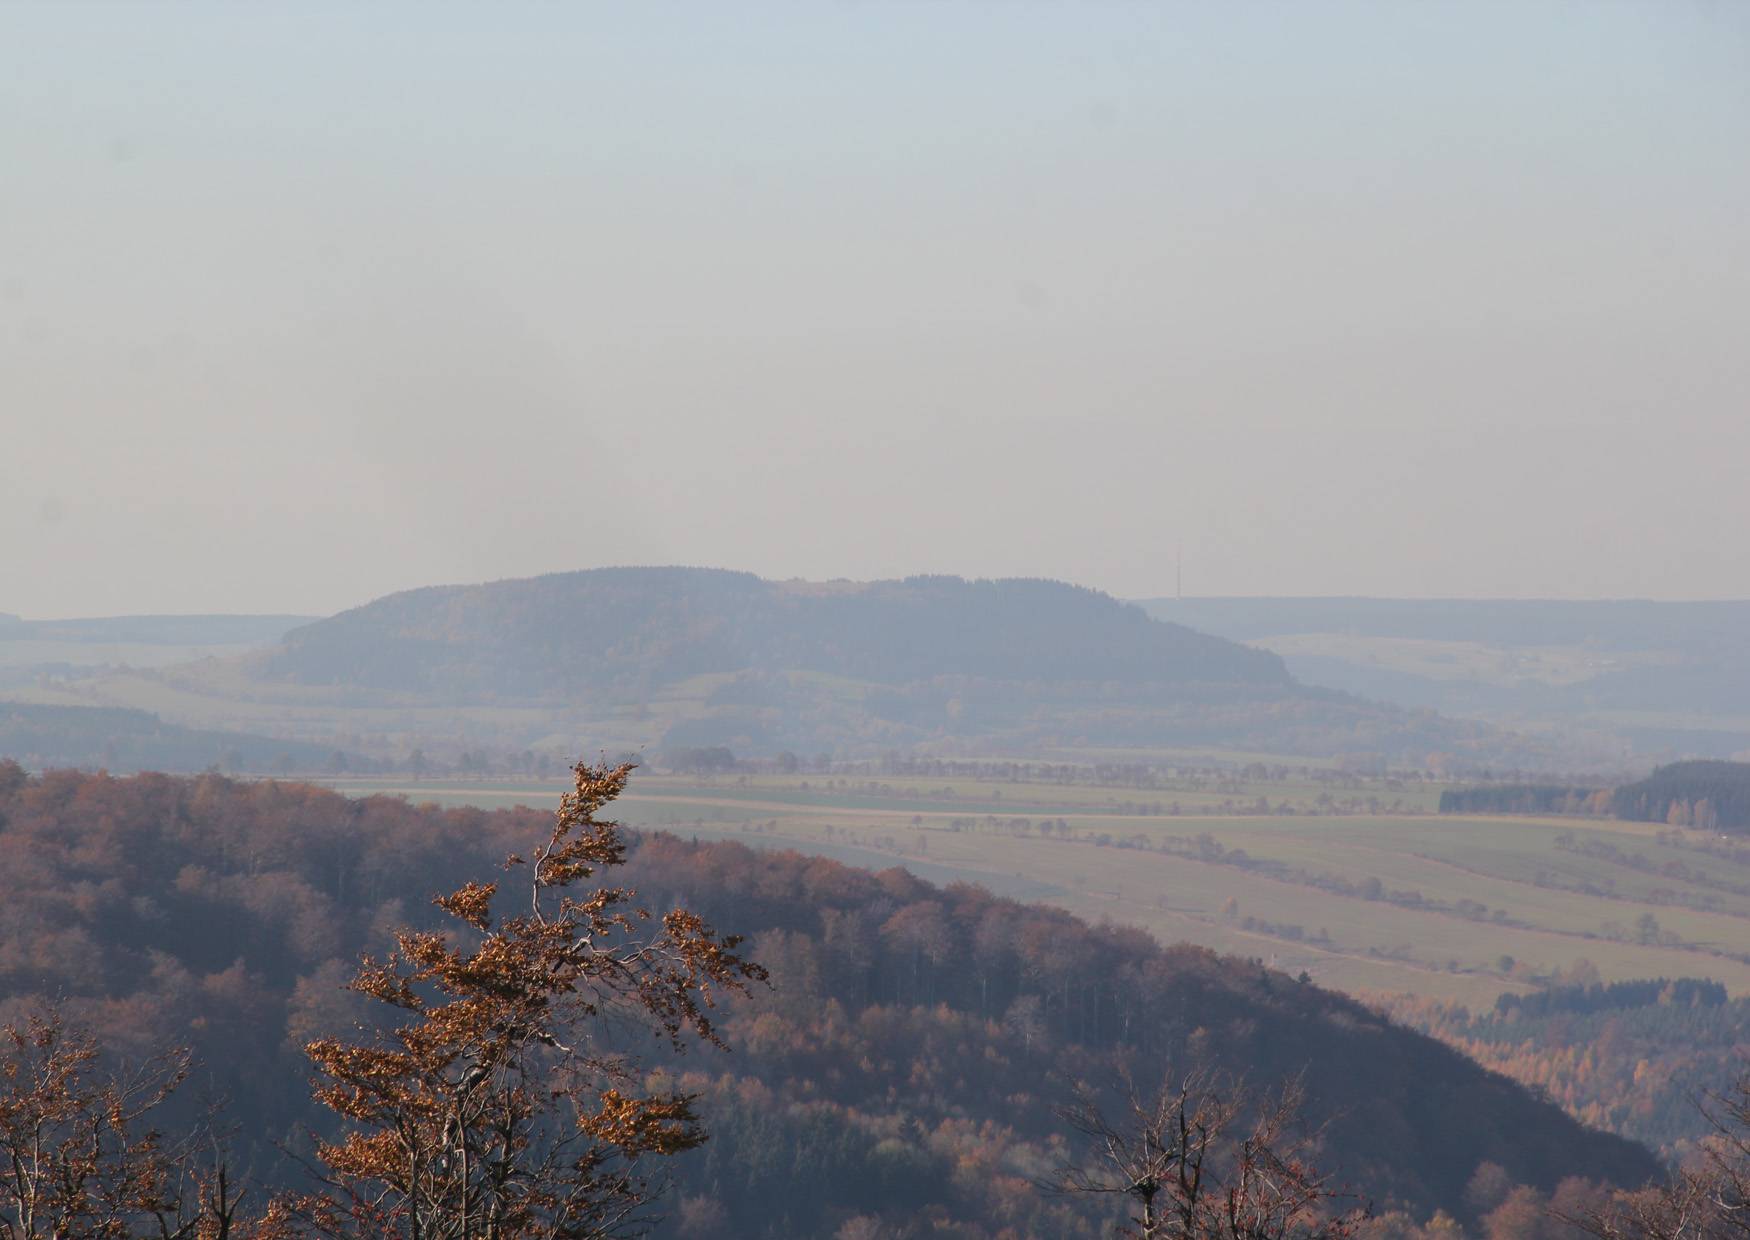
(1400, 901)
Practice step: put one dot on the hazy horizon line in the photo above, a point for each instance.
(970, 577)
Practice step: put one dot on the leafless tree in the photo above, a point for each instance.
(1205, 1159)
(1707, 1200)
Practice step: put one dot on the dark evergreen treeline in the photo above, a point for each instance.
(1632, 1057)
(1706, 793)
(1598, 997)
(1520, 799)
(1710, 794)
(904, 1066)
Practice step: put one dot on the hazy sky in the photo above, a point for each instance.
(302, 304)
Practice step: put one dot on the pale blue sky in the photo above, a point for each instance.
(301, 304)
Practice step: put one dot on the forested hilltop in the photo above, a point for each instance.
(642, 628)
(904, 1063)
(673, 657)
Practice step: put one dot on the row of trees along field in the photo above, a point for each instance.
(901, 1070)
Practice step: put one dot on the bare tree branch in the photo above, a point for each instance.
(1204, 1159)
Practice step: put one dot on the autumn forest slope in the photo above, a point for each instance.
(913, 1031)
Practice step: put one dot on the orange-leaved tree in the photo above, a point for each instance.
(499, 1109)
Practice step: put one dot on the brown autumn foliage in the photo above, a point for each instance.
(1709, 1199)
(500, 1109)
(1630, 1057)
(79, 1155)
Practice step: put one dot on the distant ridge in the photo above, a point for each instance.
(118, 740)
(1662, 680)
(1609, 623)
(564, 633)
(673, 656)
(177, 630)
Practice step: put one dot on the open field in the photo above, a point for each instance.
(1403, 902)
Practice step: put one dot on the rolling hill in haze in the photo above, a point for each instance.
(687, 656)
(118, 739)
(622, 628)
(44, 724)
(32, 651)
(1655, 679)
(181, 631)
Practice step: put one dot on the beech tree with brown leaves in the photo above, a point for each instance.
(1206, 1160)
(500, 1109)
(79, 1156)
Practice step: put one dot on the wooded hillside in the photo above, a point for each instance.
(567, 633)
(906, 1059)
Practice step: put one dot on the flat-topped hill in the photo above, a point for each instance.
(655, 659)
(551, 636)
(670, 657)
